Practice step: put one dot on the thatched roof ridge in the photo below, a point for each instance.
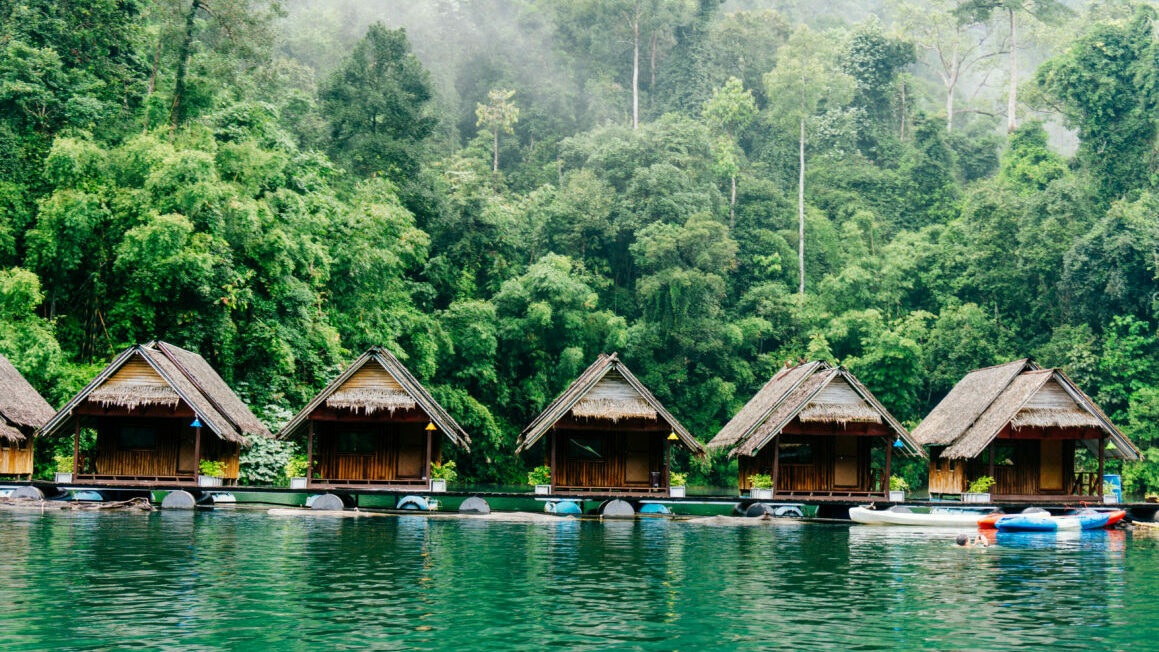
(818, 376)
(224, 399)
(579, 388)
(372, 402)
(1010, 406)
(222, 413)
(966, 402)
(22, 408)
(761, 405)
(997, 415)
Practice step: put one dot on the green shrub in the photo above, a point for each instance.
(212, 468)
(677, 479)
(295, 467)
(265, 461)
(981, 485)
(761, 481)
(539, 475)
(444, 471)
(63, 463)
(898, 484)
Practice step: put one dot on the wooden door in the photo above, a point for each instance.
(1050, 465)
(412, 450)
(845, 461)
(639, 459)
(185, 461)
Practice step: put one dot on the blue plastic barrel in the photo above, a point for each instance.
(1116, 481)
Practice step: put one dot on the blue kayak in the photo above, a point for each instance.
(1085, 520)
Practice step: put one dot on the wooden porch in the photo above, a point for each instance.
(822, 461)
(347, 451)
(630, 457)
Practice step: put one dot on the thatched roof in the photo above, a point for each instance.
(378, 382)
(966, 402)
(813, 392)
(606, 390)
(22, 409)
(1031, 397)
(162, 374)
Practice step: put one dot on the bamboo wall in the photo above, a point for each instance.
(392, 441)
(1022, 477)
(817, 477)
(15, 458)
(611, 472)
(174, 439)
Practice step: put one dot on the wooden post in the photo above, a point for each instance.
(667, 462)
(309, 451)
(427, 471)
(76, 450)
(1102, 449)
(888, 460)
(776, 461)
(992, 466)
(554, 438)
(196, 452)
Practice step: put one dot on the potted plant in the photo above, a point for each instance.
(296, 471)
(677, 483)
(540, 478)
(441, 474)
(211, 472)
(1109, 496)
(979, 490)
(897, 488)
(63, 473)
(762, 486)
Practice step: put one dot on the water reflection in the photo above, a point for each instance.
(239, 579)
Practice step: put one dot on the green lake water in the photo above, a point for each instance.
(244, 580)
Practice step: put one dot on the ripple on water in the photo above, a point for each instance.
(240, 579)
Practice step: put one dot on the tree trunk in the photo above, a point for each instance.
(177, 109)
(1011, 122)
(652, 70)
(801, 212)
(951, 84)
(732, 206)
(636, 69)
(495, 163)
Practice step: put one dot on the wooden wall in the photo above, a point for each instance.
(817, 477)
(612, 471)
(392, 441)
(15, 458)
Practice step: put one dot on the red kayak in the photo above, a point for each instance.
(987, 522)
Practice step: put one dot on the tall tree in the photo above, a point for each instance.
(378, 105)
(808, 79)
(955, 48)
(498, 114)
(730, 110)
(1048, 11)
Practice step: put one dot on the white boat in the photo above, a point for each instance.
(937, 516)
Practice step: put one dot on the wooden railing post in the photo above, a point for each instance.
(888, 459)
(776, 461)
(76, 450)
(196, 451)
(1102, 455)
(309, 450)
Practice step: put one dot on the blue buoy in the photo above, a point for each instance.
(654, 508)
(414, 503)
(562, 507)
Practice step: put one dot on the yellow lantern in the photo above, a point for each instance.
(672, 436)
(431, 426)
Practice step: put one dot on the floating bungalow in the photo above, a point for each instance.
(374, 425)
(813, 429)
(148, 410)
(1028, 428)
(22, 411)
(607, 433)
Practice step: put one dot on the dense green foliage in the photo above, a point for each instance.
(507, 188)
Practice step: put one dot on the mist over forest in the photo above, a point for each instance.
(500, 190)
